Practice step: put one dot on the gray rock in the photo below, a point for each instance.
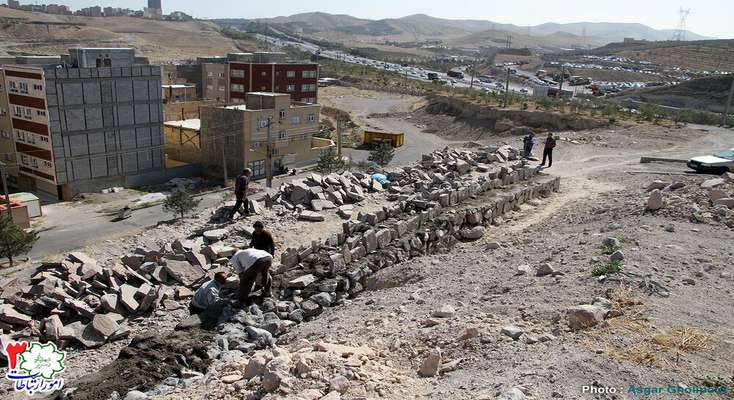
(310, 216)
(655, 201)
(545, 269)
(339, 383)
(446, 311)
(302, 281)
(610, 242)
(322, 299)
(474, 233)
(584, 316)
(136, 395)
(656, 184)
(512, 394)
(617, 256)
(711, 183)
(523, 270)
(260, 335)
(431, 365)
(492, 246)
(512, 331)
(215, 235)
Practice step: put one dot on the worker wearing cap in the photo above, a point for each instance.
(249, 264)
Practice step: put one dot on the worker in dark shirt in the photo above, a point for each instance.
(240, 192)
(550, 143)
(262, 239)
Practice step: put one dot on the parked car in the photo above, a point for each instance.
(717, 163)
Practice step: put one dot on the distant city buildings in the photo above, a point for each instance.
(153, 11)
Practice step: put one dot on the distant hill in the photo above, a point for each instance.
(704, 94)
(419, 27)
(710, 55)
(23, 32)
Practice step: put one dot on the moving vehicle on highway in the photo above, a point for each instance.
(485, 78)
(432, 76)
(455, 74)
(717, 163)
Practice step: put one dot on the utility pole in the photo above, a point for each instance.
(5, 188)
(728, 103)
(473, 68)
(224, 161)
(507, 86)
(560, 85)
(338, 138)
(269, 157)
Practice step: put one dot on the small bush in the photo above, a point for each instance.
(609, 249)
(611, 267)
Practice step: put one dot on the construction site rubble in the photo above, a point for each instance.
(709, 201)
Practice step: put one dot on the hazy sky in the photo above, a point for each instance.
(708, 17)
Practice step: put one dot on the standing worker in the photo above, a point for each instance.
(250, 263)
(240, 192)
(550, 143)
(262, 239)
(527, 144)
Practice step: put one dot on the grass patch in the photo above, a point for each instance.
(610, 248)
(682, 338)
(612, 267)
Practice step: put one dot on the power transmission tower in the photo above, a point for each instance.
(680, 33)
(508, 42)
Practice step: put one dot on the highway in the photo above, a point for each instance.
(411, 72)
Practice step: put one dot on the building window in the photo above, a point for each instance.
(291, 88)
(296, 120)
(258, 167)
(20, 136)
(47, 164)
(13, 87)
(28, 113)
(38, 87)
(308, 88)
(262, 122)
(221, 74)
(24, 159)
(24, 87)
(210, 73)
(34, 163)
(237, 73)
(17, 111)
(309, 74)
(236, 87)
(209, 87)
(41, 113)
(221, 88)
(311, 117)
(291, 74)
(44, 139)
(281, 135)
(263, 73)
(281, 114)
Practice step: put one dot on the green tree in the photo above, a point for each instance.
(180, 201)
(382, 154)
(14, 241)
(329, 162)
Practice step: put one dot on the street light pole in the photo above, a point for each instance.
(728, 103)
(5, 186)
(269, 157)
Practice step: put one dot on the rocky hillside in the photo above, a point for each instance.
(24, 32)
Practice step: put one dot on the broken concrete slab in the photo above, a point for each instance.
(184, 272)
(302, 282)
(105, 325)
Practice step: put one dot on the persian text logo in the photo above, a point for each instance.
(32, 366)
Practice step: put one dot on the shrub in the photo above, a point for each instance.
(611, 267)
(14, 241)
(382, 154)
(180, 201)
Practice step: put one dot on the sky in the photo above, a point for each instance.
(707, 17)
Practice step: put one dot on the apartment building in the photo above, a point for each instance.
(270, 72)
(214, 81)
(239, 134)
(7, 144)
(89, 123)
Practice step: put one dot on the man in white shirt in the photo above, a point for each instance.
(250, 263)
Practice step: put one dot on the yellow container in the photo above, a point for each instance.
(396, 139)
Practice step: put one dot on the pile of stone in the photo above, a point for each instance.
(318, 192)
(710, 201)
(80, 300)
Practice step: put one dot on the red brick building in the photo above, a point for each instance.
(298, 80)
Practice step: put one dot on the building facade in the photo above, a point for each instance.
(80, 129)
(238, 134)
(299, 80)
(214, 81)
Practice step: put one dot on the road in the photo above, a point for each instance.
(59, 234)
(411, 72)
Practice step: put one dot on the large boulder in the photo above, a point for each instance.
(655, 201)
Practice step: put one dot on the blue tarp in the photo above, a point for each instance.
(381, 178)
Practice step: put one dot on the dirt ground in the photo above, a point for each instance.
(684, 339)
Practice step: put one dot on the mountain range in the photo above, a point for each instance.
(463, 32)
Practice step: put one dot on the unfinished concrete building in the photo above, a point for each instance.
(91, 122)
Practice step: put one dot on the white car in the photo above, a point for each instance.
(718, 163)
